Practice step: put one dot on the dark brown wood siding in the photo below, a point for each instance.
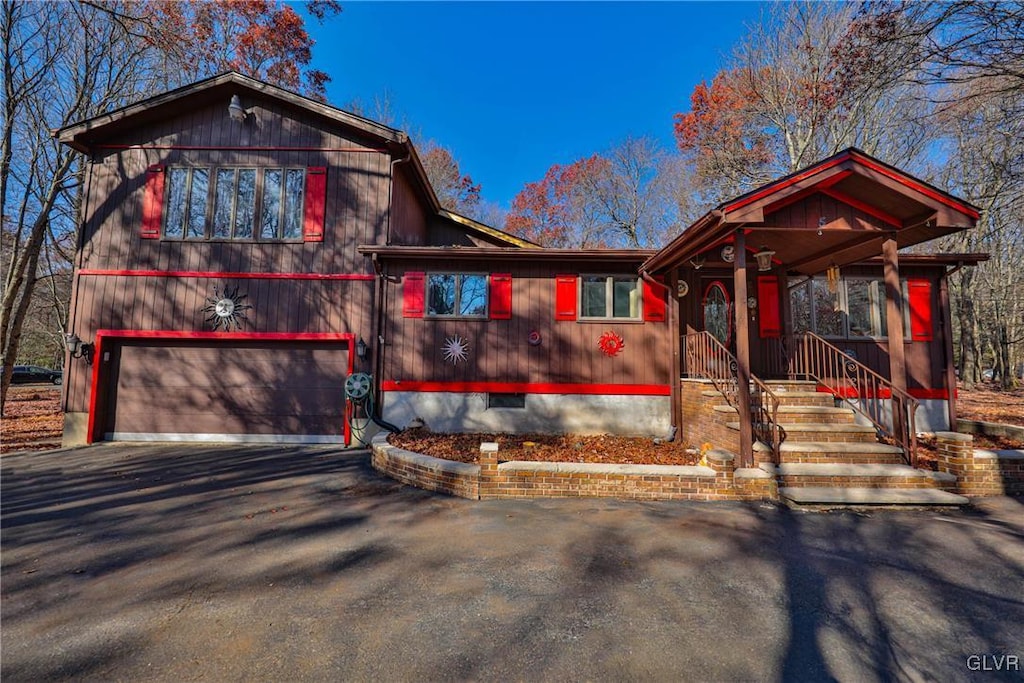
(498, 349)
(356, 213)
(408, 221)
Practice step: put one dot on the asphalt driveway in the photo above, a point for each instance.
(181, 563)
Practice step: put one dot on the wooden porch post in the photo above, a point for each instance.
(947, 343)
(894, 321)
(894, 314)
(787, 322)
(746, 455)
(674, 325)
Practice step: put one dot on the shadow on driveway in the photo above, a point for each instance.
(302, 563)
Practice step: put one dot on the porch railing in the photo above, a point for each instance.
(861, 388)
(707, 358)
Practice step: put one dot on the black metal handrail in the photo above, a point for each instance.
(708, 358)
(846, 378)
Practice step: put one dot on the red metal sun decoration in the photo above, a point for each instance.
(610, 344)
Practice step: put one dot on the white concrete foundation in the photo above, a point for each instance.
(932, 413)
(544, 413)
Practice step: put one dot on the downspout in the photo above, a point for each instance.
(381, 283)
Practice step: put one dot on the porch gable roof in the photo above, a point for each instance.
(877, 202)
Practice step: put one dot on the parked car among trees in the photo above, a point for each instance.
(34, 374)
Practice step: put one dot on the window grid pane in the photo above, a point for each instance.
(270, 223)
(177, 181)
(198, 192)
(245, 203)
(294, 180)
(473, 295)
(224, 196)
(441, 294)
(625, 299)
(594, 299)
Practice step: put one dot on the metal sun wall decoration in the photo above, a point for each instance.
(611, 344)
(227, 310)
(455, 349)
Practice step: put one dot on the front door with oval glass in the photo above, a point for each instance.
(717, 308)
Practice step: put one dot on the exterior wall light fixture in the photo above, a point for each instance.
(764, 259)
(78, 348)
(361, 349)
(236, 111)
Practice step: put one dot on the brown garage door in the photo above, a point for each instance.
(227, 391)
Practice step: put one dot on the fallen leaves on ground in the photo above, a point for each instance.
(32, 419)
(547, 448)
(988, 403)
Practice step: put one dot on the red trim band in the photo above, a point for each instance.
(528, 388)
(775, 187)
(927, 191)
(850, 392)
(101, 335)
(228, 276)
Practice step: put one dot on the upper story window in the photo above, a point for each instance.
(609, 297)
(234, 203)
(456, 295)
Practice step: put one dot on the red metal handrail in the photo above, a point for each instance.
(706, 357)
(861, 388)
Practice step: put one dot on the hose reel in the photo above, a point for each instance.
(357, 387)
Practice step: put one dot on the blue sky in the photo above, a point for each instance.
(512, 88)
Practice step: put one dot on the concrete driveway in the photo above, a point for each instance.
(181, 563)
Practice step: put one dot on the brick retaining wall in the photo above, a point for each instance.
(980, 473)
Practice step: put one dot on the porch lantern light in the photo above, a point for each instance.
(361, 349)
(236, 111)
(764, 259)
(78, 348)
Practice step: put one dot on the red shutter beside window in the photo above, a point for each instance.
(153, 203)
(654, 300)
(565, 297)
(412, 295)
(501, 296)
(920, 294)
(769, 321)
(316, 201)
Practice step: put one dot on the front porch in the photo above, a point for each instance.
(795, 304)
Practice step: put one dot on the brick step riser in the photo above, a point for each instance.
(825, 401)
(843, 458)
(793, 436)
(798, 418)
(802, 481)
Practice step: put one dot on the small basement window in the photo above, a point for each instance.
(506, 400)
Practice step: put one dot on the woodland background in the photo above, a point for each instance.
(935, 88)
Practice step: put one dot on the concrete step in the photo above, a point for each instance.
(805, 414)
(858, 476)
(844, 433)
(838, 452)
(824, 496)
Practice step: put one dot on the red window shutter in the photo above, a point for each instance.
(654, 300)
(769, 321)
(920, 294)
(316, 201)
(153, 203)
(501, 296)
(412, 295)
(565, 297)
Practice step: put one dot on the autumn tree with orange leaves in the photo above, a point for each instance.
(264, 39)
